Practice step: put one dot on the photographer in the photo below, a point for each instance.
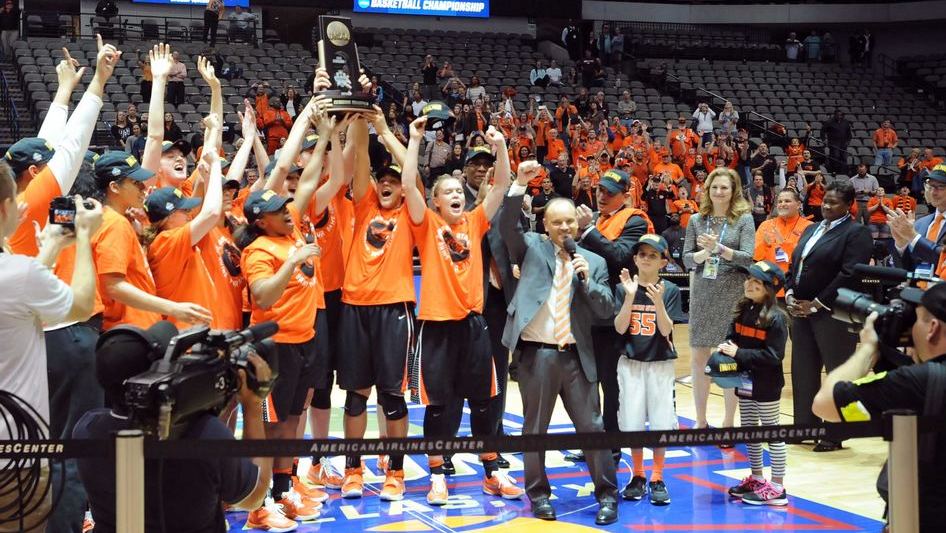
(849, 394)
(180, 495)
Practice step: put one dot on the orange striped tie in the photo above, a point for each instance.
(933, 233)
(563, 293)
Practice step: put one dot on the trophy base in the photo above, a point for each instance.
(341, 103)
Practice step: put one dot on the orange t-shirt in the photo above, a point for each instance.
(816, 195)
(37, 196)
(239, 201)
(222, 259)
(634, 140)
(776, 240)
(673, 169)
(380, 268)
(560, 111)
(556, 147)
(542, 127)
(904, 203)
(879, 216)
(885, 138)
(180, 274)
(681, 141)
(451, 258)
(612, 225)
(295, 309)
(328, 235)
(64, 268)
(116, 250)
(795, 156)
(678, 206)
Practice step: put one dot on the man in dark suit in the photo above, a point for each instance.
(837, 134)
(550, 329)
(611, 233)
(919, 242)
(822, 263)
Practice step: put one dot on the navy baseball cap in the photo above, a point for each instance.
(181, 145)
(310, 141)
(166, 200)
(390, 170)
(262, 202)
(615, 181)
(115, 165)
(938, 174)
(293, 168)
(28, 151)
(232, 184)
(655, 241)
(767, 272)
(724, 371)
(437, 114)
(479, 151)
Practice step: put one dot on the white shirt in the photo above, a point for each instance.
(704, 121)
(542, 327)
(554, 73)
(418, 106)
(31, 295)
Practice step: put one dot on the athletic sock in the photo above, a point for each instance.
(489, 463)
(396, 462)
(758, 478)
(777, 486)
(282, 481)
(435, 465)
(352, 461)
(657, 474)
(637, 458)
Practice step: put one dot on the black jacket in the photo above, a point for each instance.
(761, 351)
(836, 131)
(617, 253)
(830, 264)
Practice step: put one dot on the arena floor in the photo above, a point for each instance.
(831, 492)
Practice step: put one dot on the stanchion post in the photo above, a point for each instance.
(903, 475)
(130, 481)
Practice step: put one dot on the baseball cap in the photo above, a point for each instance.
(166, 200)
(437, 114)
(28, 151)
(390, 170)
(655, 241)
(181, 145)
(767, 272)
(116, 165)
(933, 299)
(938, 174)
(478, 151)
(293, 168)
(90, 157)
(724, 371)
(261, 202)
(310, 141)
(615, 181)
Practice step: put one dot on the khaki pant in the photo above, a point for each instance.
(38, 505)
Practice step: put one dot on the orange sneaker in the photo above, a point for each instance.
(296, 507)
(308, 492)
(354, 484)
(324, 474)
(393, 489)
(384, 462)
(438, 490)
(501, 484)
(270, 518)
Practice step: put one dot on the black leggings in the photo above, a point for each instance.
(437, 425)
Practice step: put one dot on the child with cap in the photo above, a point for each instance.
(645, 373)
(755, 346)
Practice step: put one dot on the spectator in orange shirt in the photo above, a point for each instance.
(904, 201)
(777, 237)
(796, 154)
(814, 196)
(878, 208)
(684, 207)
(564, 112)
(637, 137)
(669, 168)
(554, 145)
(542, 123)
(885, 140)
(681, 139)
(276, 123)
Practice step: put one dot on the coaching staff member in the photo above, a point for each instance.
(849, 394)
(556, 300)
(833, 246)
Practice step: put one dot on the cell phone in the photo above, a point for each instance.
(62, 211)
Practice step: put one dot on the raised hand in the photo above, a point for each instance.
(326, 126)
(494, 137)
(365, 82)
(322, 81)
(161, 61)
(207, 71)
(656, 294)
(106, 59)
(248, 119)
(68, 71)
(528, 170)
(212, 122)
(418, 128)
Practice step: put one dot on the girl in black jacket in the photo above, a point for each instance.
(756, 341)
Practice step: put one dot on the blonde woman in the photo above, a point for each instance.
(719, 239)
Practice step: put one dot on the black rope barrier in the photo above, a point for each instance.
(186, 449)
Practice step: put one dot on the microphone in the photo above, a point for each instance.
(889, 276)
(572, 249)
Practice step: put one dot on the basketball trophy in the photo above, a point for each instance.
(338, 55)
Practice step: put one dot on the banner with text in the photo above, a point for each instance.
(439, 8)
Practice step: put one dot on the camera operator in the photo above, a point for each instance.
(848, 393)
(180, 494)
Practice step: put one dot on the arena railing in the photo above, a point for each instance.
(9, 107)
(137, 27)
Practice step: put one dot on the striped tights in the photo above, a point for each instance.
(753, 413)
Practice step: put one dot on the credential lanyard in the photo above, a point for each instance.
(722, 232)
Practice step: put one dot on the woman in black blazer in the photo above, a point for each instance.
(822, 263)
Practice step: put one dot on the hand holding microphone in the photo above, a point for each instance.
(579, 263)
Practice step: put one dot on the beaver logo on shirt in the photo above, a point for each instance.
(230, 261)
(378, 234)
(455, 247)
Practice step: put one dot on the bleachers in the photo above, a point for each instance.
(927, 71)
(798, 93)
(697, 41)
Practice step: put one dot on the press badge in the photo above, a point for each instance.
(780, 255)
(711, 267)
